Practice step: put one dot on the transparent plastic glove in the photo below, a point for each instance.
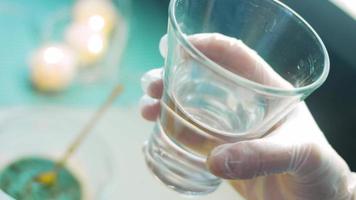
(294, 161)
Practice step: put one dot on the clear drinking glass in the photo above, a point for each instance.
(207, 103)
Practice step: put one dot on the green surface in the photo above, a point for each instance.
(18, 180)
(22, 31)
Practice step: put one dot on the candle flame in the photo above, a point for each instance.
(96, 23)
(53, 55)
(95, 44)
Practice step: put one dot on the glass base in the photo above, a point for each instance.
(178, 169)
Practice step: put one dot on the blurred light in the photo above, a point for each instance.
(88, 44)
(99, 15)
(53, 55)
(53, 67)
(96, 23)
(349, 6)
(95, 44)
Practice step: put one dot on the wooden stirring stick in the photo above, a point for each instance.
(50, 177)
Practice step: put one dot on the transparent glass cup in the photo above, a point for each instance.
(208, 101)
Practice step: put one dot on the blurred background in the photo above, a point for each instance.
(31, 29)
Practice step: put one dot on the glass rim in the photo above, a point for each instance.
(195, 53)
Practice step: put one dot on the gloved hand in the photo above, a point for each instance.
(294, 161)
